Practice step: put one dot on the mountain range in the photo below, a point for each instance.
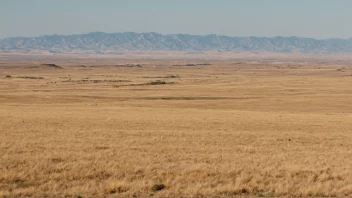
(100, 42)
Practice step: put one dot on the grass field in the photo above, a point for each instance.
(107, 129)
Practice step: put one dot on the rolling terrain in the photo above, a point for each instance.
(103, 127)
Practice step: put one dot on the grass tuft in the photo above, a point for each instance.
(158, 187)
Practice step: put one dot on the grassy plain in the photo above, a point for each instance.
(100, 128)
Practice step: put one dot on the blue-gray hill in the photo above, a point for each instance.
(130, 41)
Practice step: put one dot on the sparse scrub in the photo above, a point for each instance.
(169, 76)
(52, 65)
(84, 80)
(158, 187)
(30, 77)
(157, 82)
(192, 65)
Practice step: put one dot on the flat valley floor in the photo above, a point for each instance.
(113, 128)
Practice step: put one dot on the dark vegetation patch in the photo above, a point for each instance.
(192, 65)
(130, 65)
(287, 67)
(118, 65)
(30, 77)
(104, 75)
(52, 65)
(57, 160)
(243, 192)
(102, 147)
(158, 187)
(156, 82)
(341, 70)
(8, 76)
(162, 98)
(80, 66)
(95, 81)
(169, 76)
(195, 98)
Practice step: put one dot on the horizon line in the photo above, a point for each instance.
(76, 34)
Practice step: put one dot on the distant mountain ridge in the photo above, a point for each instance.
(100, 42)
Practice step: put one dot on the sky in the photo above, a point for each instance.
(269, 18)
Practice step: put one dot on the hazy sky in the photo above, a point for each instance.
(307, 18)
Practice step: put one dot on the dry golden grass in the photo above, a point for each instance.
(223, 130)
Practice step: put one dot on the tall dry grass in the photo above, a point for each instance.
(223, 130)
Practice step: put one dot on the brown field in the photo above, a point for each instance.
(94, 128)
